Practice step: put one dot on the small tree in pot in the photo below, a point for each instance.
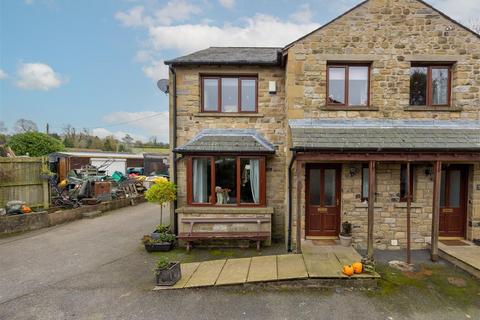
(346, 234)
(167, 273)
(162, 192)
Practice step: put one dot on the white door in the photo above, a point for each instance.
(110, 165)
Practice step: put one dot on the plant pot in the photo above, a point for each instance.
(168, 276)
(345, 241)
(160, 246)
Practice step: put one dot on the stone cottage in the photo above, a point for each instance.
(373, 118)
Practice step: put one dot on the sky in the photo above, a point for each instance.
(94, 64)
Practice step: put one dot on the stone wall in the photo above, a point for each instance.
(269, 121)
(473, 214)
(37, 220)
(391, 34)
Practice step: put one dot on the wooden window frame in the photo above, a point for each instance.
(363, 196)
(430, 67)
(403, 167)
(219, 92)
(213, 200)
(347, 66)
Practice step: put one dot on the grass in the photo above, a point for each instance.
(204, 254)
(427, 288)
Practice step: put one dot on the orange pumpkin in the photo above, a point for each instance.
(348, 270)
(26, 209)
(357, 267)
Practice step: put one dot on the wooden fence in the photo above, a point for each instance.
(20, 179)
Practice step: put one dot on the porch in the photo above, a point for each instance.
(463, 254)
(331, 158)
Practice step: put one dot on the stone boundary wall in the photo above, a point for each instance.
(37, 220)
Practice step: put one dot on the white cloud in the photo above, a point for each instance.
(303, 14)
(103, 132)
(459, 10)
(151, 122)
(37, 76)
(261, 30)
(156, 70)
(173, 11)
(229, 4)
(3, 74)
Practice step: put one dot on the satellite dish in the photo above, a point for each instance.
(162, 84)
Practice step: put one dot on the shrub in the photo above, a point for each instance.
(35, 144)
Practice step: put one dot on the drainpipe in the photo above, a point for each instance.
(289, 229)
(174, 143)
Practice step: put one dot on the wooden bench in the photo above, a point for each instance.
(257, 235)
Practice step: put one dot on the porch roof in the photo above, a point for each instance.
(227, 141)
(385, 135)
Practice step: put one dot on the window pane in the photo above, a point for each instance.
(403, 182)
(442, 189)
(439, 86)
(210, 94)
(250, 184)
(454, 191)
(418, 86)
(225, 180)
(248, 95)
(358, 86)
(201, 170)
(365, 182)
(229, 94)
(329, 187)
(336, 85)
(314, 187)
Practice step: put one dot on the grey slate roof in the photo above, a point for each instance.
(231, 56)
(377, 135)
(227, 140)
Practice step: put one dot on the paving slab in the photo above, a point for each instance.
(206, 274)
(235, 271)
(263, 269)
(291, 266)
(323, 265)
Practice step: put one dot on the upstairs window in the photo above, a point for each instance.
(348, 85)
(229, 94)
(430, 85)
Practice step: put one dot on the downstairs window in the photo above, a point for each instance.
(226, 180)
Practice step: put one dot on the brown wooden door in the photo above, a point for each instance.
(453, 201)
(322, 200)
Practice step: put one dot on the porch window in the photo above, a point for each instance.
(348, 85)
(365, 174)
(229, 94)
(226, 180)
(430, 85)
(403, 182)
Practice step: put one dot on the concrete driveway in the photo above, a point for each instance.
(98, 269)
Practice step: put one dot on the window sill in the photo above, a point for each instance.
(404, 205)
(365, 205)
(426, 108)
(343, 108)
(224, 210)
(228, 114)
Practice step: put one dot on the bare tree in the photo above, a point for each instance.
(24, 125)
(474, 24)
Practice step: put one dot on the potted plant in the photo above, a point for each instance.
(346, 234)
(164, 242)
(159, 229)
(167, 272)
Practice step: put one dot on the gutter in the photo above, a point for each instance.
(174, 144)
(357, 150)
(290, 214)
